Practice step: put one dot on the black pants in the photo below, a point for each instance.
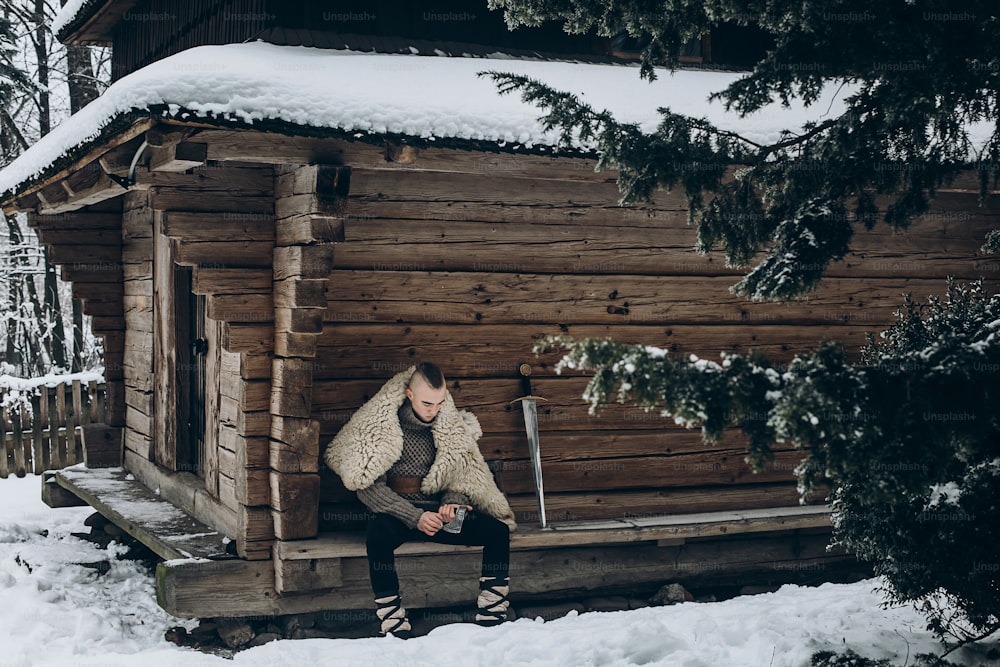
(386, 533)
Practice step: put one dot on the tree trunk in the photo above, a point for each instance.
(83, 89)
(42, 60)
(77, 336)
(81, 78)
(53, 309)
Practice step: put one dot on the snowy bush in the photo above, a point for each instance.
(908, 440)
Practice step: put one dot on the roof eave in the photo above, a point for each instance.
(95, 23)
(26, 196)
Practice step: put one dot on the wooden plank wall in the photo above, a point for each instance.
(95, 270)
(471, 269)
(219, 220)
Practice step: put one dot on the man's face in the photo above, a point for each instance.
(425, 400)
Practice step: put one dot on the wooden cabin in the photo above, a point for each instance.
(255, 282)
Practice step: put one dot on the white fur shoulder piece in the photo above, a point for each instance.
(372, 441)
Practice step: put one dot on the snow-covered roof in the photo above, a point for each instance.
(70, 12)
(374, 94)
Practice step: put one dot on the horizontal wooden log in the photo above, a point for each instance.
(213, 226)
(251, 483)
(421, 245)
(298, 321)
(307, 575)
(300, 293)
(220, 589)
(254, 338)
(77, 220)
(603, 505)
(206, 280)
(313, 261)
(292, 458)
(230, 588)
(246, 366)
(288, 397)
(295, 505)
(308, 229)
(97, 291)
(289, 344)
(717, 468)
(247, 307)
(435, 186)
(359, 351)
(103, 307)
(253, 450)
(138, 399)
(237, 179)
(138, 444)
(224, 255)
(246, 423)
(470, 298)
(490, 400)
(255, 527)
(251, 146)
(251, 395)
(301, 437)
(87, 257)
(110, 272)
(556, 213)
(95, 237)
(192, 198)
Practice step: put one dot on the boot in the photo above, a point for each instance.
(393, 617)
(492, 602)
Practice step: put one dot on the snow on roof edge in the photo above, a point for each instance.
(367, 94)
(72, 13)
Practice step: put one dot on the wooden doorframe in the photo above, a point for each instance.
(176, 446)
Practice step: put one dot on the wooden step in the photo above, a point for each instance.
(140, 512)
(666, 530)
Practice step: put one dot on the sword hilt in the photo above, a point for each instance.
(525, 371)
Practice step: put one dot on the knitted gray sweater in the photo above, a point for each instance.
(415, 461)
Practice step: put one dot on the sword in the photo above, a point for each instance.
(530, 409)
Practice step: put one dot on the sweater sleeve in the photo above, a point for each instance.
(379, 498)
(455, 498)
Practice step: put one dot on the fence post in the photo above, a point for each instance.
(77, 421)
(16, 421)
(4, 468)
(60, 418)
(37, 459)
(45, 423)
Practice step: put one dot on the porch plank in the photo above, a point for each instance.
(161, 526)
(653, 529)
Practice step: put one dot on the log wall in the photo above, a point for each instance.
(471, 269)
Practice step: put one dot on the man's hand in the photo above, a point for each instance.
(430, 523)
(447, 512)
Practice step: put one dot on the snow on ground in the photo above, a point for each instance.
(56, 612)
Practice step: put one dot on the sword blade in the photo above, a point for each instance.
(530, 410)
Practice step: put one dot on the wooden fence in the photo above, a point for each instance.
(48, 436)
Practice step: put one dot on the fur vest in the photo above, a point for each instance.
(368, 445)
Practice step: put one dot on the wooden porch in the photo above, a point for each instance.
(200, 578)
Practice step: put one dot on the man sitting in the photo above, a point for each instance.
(412, 457)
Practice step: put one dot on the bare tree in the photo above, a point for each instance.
(44, 83)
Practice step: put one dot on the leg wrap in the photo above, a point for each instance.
(391, 613)
(492, 603)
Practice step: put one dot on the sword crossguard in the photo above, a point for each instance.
(528, 397)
